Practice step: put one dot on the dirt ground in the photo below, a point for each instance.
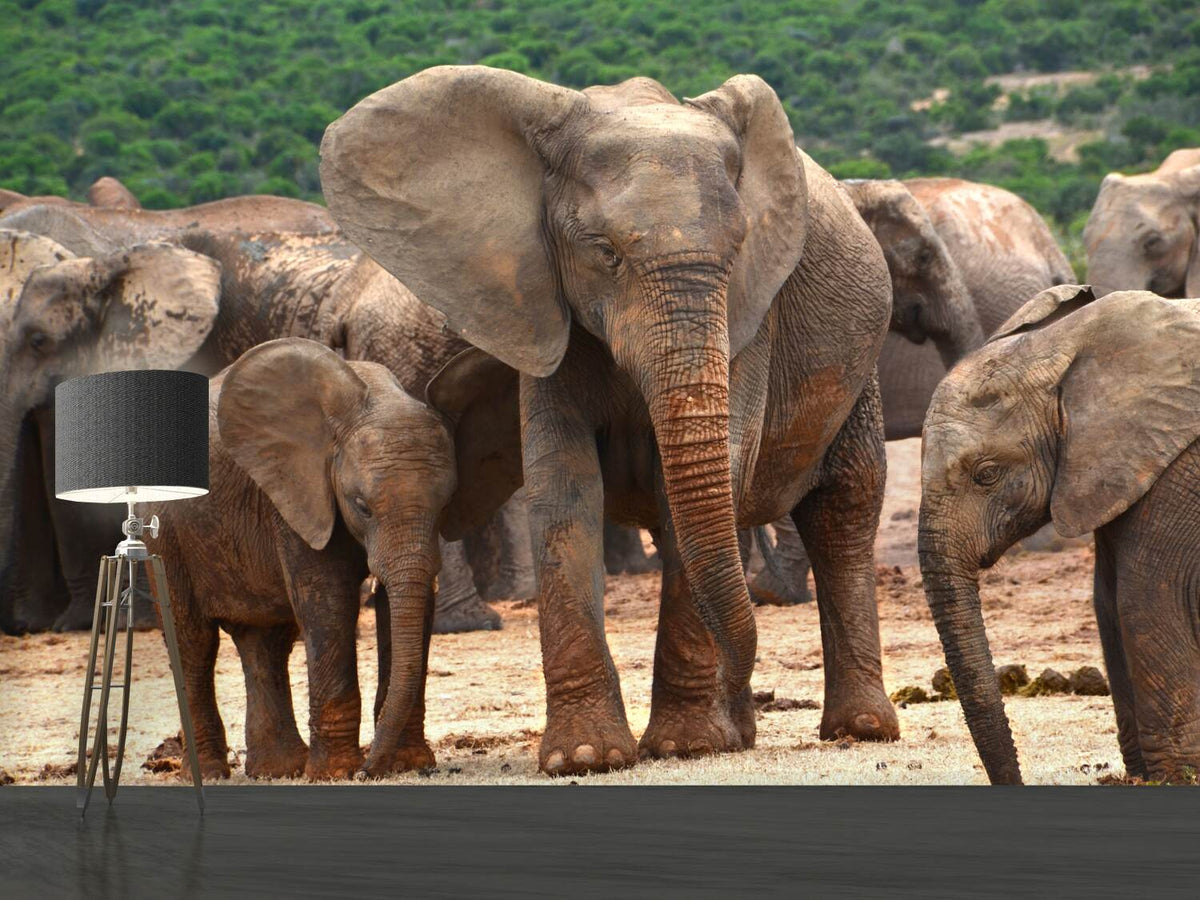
(485, 692)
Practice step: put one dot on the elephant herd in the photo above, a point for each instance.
(633, 313)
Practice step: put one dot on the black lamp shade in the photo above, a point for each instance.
(119, 430)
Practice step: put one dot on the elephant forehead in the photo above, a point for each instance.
(655, 137)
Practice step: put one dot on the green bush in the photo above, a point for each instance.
(191, 98)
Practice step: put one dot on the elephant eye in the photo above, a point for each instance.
(610, 256)
(925, 258)
(986, 474)
(363, 509)
(608, 253)
(1153, 243)
(37, 340)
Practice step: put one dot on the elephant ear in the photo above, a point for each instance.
(159, 303)
(1190, 181)
(481, 397)
(774, 192)
(61, 223)
(1127, 404)
(280, 406)
(1045, 308)
(21, 253)
(437, 177)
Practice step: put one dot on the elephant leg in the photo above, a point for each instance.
(274, 748)
(624, 553)
(199, 639)
(783, 581)
(32, 590)
(324, 595)
(84, 534)
(837, 521)
(586, 728)
(1158, 636)
(689, 712)
(458, 606)
(413, 751)
(1104, 598)
(500, 555)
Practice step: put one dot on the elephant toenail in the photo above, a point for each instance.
(615, 758)
(585, 755)
(667, 748)
(866, 722)
(555, 761)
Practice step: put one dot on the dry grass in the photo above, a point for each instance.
(485, 692)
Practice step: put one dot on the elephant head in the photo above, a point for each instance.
(150, 306)
(523, 210)
(930, 299)
(1142, 234)
(108, 191)
(1068, 414)
(326, 439)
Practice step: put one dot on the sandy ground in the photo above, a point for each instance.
(485, 692)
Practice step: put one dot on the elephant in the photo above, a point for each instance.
(1079, 412)
(958, 235)
(322, 470)
(30, 593)
(962, 257)
(1142, 234)
(696, 310)
(282, 269)
(105, 191)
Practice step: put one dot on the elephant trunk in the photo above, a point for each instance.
(679, 355)
(956, 328)
(952, 589)
(406, 575)
(10, 437)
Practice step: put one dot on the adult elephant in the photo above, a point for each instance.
(105, 191)
(959, 235)
(696, 310)
(1142, 233)
(1082, 414)
(128, 296)
(962, 257)
(32, 594)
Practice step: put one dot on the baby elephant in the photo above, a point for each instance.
(1086, 414)
(322, 470)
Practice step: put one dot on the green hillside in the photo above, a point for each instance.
(198, 99)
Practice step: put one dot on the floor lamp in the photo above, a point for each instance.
(129, 437)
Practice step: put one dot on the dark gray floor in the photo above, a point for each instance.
(562, 841)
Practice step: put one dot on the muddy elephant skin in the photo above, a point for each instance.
(1083, 414)
(323, 471)
(1142, 233)
(696, 309)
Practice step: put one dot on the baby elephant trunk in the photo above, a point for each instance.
(952, 589)
(406, 573)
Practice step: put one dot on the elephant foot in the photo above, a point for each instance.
(76, 617)
(767, 590)
(471, 614)
(279, 763)
(333, 766)
(14, 626)
(213, 767)
(414, 757)
(864, 713)
(689, 726)
(579, 741)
